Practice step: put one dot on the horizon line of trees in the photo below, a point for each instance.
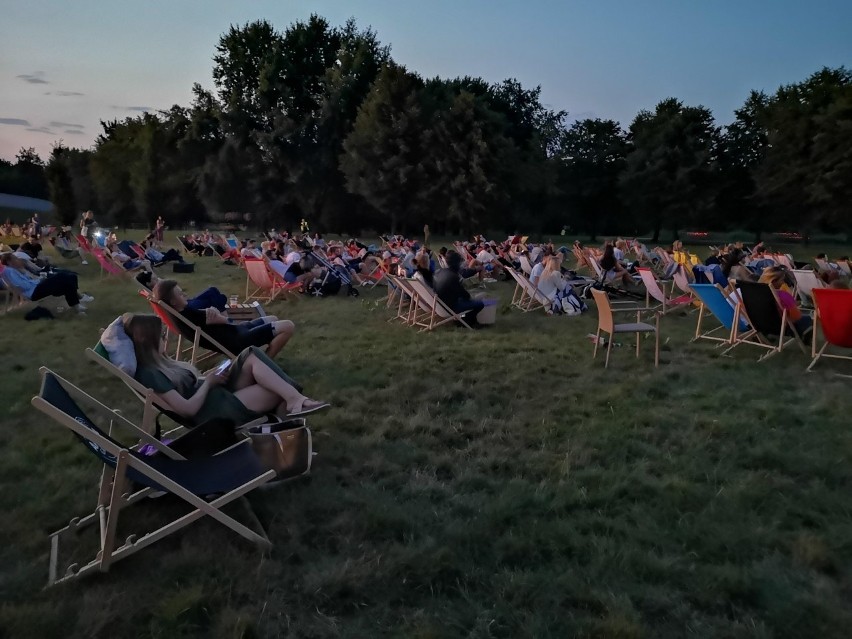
(319, 122)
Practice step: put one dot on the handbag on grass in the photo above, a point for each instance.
(285, 447)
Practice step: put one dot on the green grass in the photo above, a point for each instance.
(497, 483)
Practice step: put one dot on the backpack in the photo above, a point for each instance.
(573, 305)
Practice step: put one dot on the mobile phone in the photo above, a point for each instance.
(221, 368)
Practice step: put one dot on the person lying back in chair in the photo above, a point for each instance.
(252, 386)
(266, 331)
(776, 276)
(449, 289)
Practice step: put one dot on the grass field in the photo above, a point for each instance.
(497, 483)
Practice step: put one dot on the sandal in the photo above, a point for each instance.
(308, 406)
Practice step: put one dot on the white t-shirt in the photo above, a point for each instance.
(618, 253)
(485, 257)
(534, 254)
(292, 257)
(536, 272)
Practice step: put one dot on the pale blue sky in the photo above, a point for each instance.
(65, 65)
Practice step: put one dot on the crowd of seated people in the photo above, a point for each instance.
(58, 283)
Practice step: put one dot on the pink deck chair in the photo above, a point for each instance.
(652, 289)
(267, 287)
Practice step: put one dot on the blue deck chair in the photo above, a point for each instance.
(129, 476)
(715, 299)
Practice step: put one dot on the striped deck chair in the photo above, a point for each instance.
(834, 317)
(653, 290)
(129, 477)
(436, 313)
(725, 308)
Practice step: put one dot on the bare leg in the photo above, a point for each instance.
(283, 331)
(258, 399)
(256, 372)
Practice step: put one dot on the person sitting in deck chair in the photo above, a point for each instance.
(612, 267)
(60, 284)
(266, 331)
(62, 243)
(449, 289)
(777, 276)
(114, 251)
(252, 386)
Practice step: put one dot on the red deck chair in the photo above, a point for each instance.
(107, 265)
(84, 243)
(834, 316)
(184, 330)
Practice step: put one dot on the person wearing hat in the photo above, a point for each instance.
(449, 289)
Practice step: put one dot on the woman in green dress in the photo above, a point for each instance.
(252, 386)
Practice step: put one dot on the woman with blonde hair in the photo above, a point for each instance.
(250, 387)
(553, 286)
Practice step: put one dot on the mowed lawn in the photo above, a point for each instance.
(496, 483)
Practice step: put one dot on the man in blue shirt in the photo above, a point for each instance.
(60, 284)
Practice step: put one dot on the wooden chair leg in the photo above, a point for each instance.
(597, 340)
(608, 349)
(657, 343)
(638, 335)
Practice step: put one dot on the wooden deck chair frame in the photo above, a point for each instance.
(654, 290)
(606, 324)
(114, 491)
(806, 281)
(437, 313)
(756, 338)
(527, 297)
(407, 305)
(172, 319)
(701, 292)
(152, 407)
(831, 337)
(263, 278)
(285, 288)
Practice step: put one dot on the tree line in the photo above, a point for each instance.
(320, 122)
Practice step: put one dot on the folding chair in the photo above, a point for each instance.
(407, 296)
(231, 474)
(806, 282)
(725, 308)
(527, 297)
(182, 329)
(277, 270)
(652, 289)
(267, 286)
(606, 324)
(108, 266)
(767, 318)
(834, 316)
(436, 312)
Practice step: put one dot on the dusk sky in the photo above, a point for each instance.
(66, 65)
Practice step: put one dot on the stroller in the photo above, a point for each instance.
(332, 272)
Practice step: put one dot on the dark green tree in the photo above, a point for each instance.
(61, 188)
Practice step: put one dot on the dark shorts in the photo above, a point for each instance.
(253, 333)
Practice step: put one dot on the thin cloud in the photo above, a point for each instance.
(141, 109)
(14, 121)
(74, 131)
(64, 94)
(40, 129)
(66, 125)
(36, 77)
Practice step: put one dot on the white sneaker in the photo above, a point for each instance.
(488, 280)
(81, 309)
(84, 263)
(86, 298)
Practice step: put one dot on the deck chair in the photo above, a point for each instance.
(407, 299)
(760, 307)
(527, 297)
(806, 282)
(606, 324)
(128, 477)
(653, 290)
(277, 269)
(435, 312)
(834, 317)
(718, 301)
(108, 267)
(844, 267)
(184, 330)
(186, 248)
(267, 286)
(153, 408)
(681, 279)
